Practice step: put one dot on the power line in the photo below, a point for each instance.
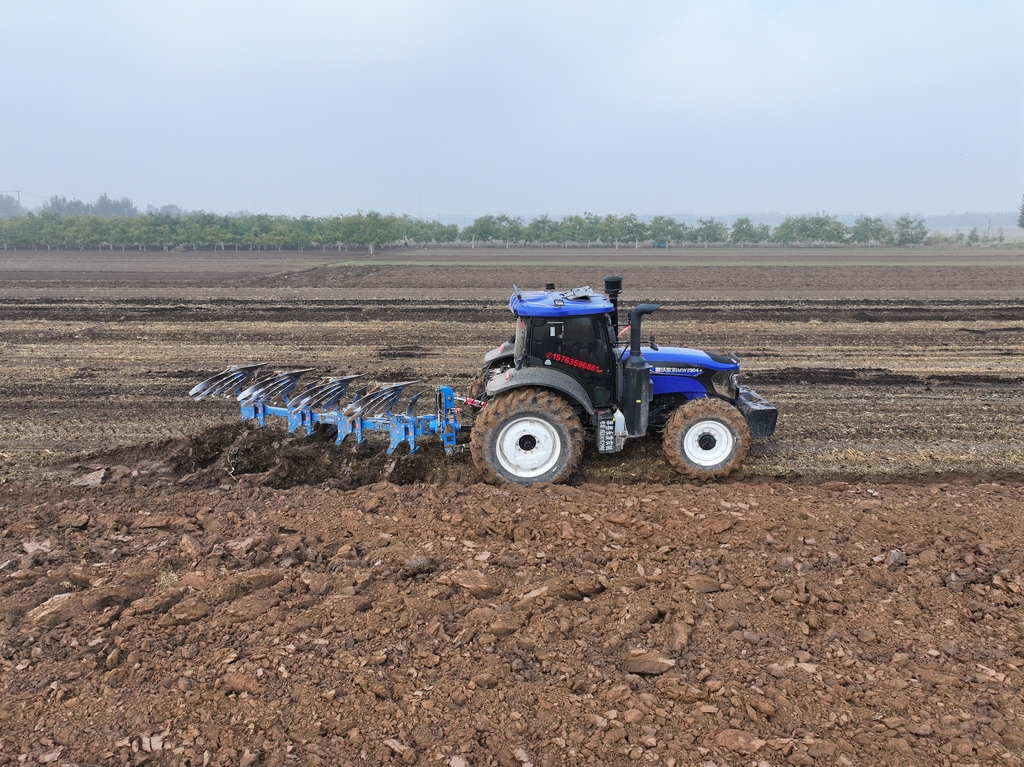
(20, 192)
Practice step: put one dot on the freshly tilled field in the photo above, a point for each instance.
(734, 623)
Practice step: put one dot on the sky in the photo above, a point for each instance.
(447, 108)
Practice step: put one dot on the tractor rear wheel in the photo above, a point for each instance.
(706, 438)
(527, 436)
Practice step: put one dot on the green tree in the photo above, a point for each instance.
(1020, 218)
(711, 231)
(161, 229)
(824, 228)
(434, 231)
(9, 206)
(572, 229)
(120, 232)
(485, 228)
(665, 229)
(509, 229)
(542, 229)
(301, 235)
(973, 238)
(591, 221)
(409, 230)
(745, 231)
(327, 232)
(634, 229)
(371, 229)
(610, 229)
(807, 229)
(867, 231)
(52, 230)
(139, 233)
(84, 231)
(909, 230)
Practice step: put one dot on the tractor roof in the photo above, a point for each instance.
(554, 303)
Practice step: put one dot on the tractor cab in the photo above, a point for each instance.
(571, 333)
(566, 341)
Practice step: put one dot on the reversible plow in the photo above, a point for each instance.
(369, 409)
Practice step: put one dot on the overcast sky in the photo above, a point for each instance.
(473, 107)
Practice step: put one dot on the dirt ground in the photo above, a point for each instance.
(177, 588)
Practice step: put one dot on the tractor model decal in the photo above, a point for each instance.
(665, 369)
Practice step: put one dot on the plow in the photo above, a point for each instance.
(563, 378)
(317, 405)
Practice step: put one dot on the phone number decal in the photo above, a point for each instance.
(572, 362)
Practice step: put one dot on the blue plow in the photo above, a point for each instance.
(319, 402)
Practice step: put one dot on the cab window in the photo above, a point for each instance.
(577, 346)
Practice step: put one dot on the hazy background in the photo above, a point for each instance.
(465, 108)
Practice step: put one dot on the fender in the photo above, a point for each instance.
(505, 351)
(542, 377)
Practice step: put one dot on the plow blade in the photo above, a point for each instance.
(278, 385)
(410, 410)
(324, 394)
(370, 408)
(227, 382)
(375, 402)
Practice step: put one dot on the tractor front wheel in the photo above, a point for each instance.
(527, 436)
(706, 438)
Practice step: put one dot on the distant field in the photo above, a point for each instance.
(689, 273)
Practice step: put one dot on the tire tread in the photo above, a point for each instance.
(529, 399)
(700, 409)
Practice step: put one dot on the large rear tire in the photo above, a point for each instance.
(706, 439)
(527, 436)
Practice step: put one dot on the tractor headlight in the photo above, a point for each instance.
(726, 383)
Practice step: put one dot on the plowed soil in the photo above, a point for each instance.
(178, 588)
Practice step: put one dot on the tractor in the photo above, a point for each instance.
(563, 377)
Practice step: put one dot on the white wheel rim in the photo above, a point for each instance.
(528, 447)
(718, 443)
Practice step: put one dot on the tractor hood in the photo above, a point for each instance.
(677, 356)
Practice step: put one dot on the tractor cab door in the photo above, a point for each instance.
(579, 347)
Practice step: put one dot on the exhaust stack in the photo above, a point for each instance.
(612, 287)
(637, 388)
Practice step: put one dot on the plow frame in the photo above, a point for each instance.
(400, 428)
(370, 411)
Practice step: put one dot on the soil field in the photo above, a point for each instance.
(176, 588)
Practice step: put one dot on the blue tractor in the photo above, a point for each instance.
(562, 378)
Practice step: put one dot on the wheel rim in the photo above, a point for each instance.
(528, 447)
(708, 443)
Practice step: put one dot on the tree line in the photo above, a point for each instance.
(62, 224)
